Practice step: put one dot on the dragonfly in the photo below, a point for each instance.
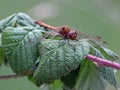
(65, 31)
(71, 33)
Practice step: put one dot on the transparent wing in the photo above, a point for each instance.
(96, 39)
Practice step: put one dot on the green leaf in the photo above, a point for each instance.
(70, 80)
(8, 22)
(89, 78)
(58, 59)
(20, 19)
(105, 52)
(96, 52)
(30, 77)
(56, 85)
(108, 74)
(21, 47)
(24, 20)
(110, 54)
(1, 52)
(1, 56)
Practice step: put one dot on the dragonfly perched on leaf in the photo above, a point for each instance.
(69, 33)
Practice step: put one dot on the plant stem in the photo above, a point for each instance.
(17, 75)
(45, 25)
(103, 62)
(11, 76)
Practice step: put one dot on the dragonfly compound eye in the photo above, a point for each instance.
(72, 35)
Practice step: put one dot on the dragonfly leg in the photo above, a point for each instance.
(35, 65)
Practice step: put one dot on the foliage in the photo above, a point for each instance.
(23, 45)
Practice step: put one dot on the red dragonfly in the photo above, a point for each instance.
(69, 33)
(65, 31)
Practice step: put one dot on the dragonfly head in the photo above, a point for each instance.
(72, 35)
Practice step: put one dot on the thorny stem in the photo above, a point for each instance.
(90, 57)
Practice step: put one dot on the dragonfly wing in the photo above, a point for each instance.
(96, 39)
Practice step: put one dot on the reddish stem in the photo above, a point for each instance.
(45, 25)
(11, 76)
(103, 62)
(17, 75)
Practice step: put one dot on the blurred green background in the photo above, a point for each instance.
(95, 17)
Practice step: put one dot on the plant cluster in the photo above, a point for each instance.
(35, 51)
